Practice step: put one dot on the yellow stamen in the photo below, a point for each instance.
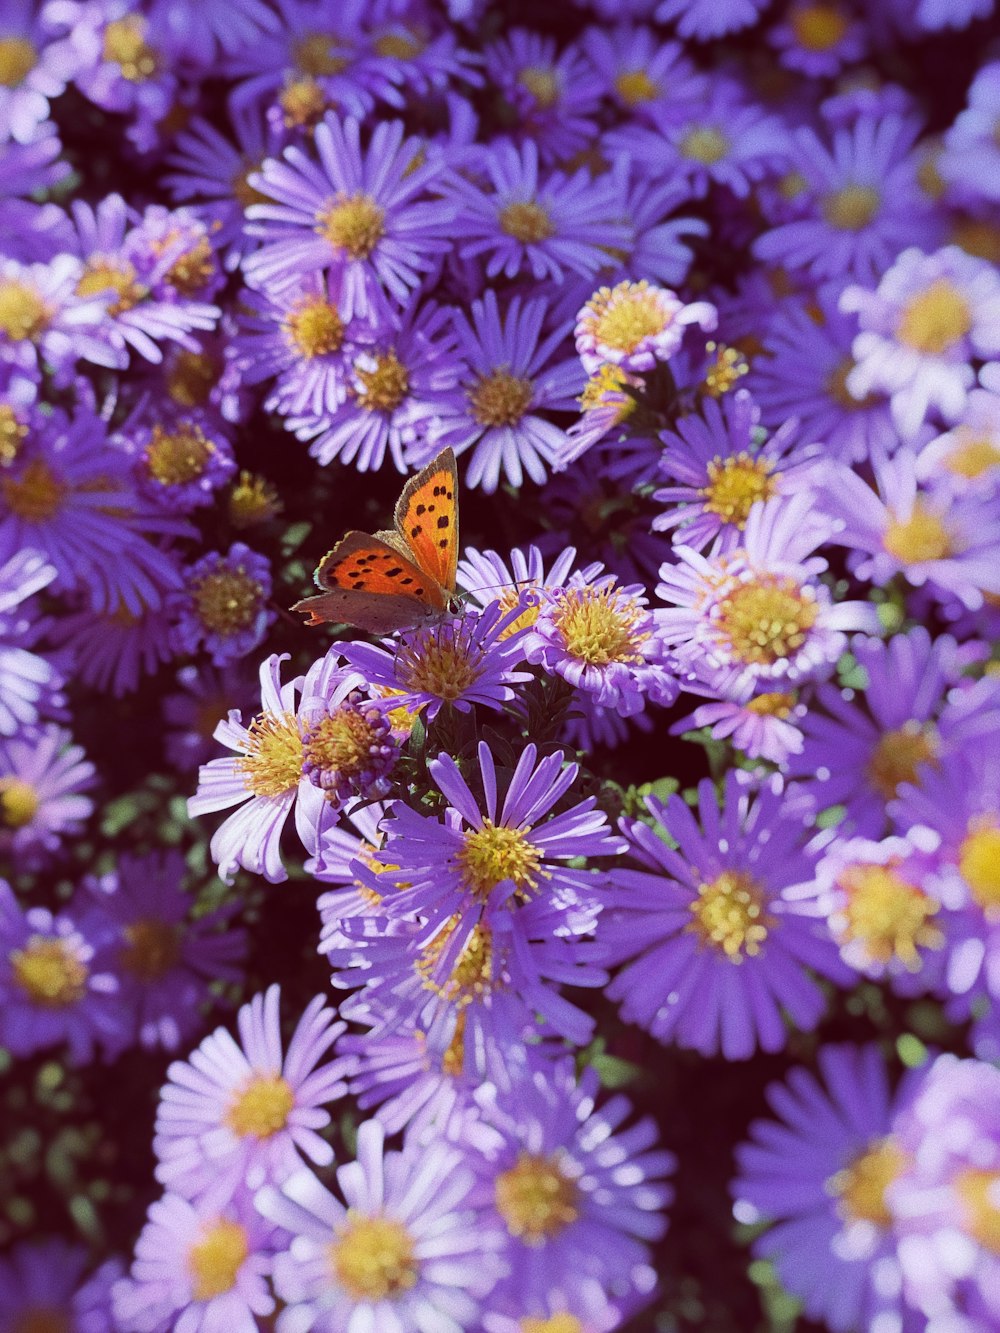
(735, 484)
(766, 620)
(500, 398)
(252, 500)
(178, 456)
(374, 1258)
(537, 1197)
(303, 103)
(314, 327)
(35, 494)
(24, 315)
(542, 83)
(315, 53)
(922, 536)
(935, 319)
(898, 755)
(261, 1108)
(227, 600)
(851, 207)
(972, 455)
(979, 862)
(729, 915)
(598, 626)
(705, 144)
(12, 433)
(471, 976)
(888, 915)
(49, 973)
(105, 275)
(352, 223)
(273, 762)
(861, 1186)
(634, 86)
(622, 316)
(729, 366)
(125, 46)
(527, 222)
(495, 853)
(385, 386)
(818, 27)
(18, 57)
(152, 947)
(215, 1260)
(191, 378)
(979, 1193)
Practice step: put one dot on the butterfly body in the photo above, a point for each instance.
(400, 577)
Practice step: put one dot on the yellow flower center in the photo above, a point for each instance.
(605, 381)
(979, 1192)
(453, 1060)
(352, 223)
(191, 378)
(527, 221)
(125, 46)
(536, 1198)
(41, 1319)
(374, 1258)
(979, 863)
(772, 704)
(314, 327)
(303, 102)
(599, 627)
(729, 914)
(978, 238)
(262, 1108)
(151, 948)
(767, 619)
(24, 316)
(861, 1186)
(508, 600)
(252, 500)
(542, 83)
(36, 494)
(385, 386)
(818, 27)
(705, 144)
(102, 275)
(340, 742)
(922, 536)
(215, 1260)
(887, 915)
(851, 207)
(178, 456)
(898, 756)
(49, 973)
(625, 315)
(972, 457)
(272, 764)
(12, 433)
(556, 1323)
(634, 86)
(935, 319)
(495, 853)
(18, 57)
(227, 600)
(191, 271)
(500, 398)
(735, 484)
(726, 369)
(315, 53)
(471, 976)
(398, 46)
(19, 802)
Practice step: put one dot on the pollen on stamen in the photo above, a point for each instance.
(729, 915)
(601, 625)
(888, 917)
(352, 223)
(374, 1258)
(49, 972)
(860, 1188)
(537, 1197)
(495, 853)
(272, 764)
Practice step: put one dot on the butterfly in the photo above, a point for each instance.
(397, 578)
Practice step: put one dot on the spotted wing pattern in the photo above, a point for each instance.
(427, 519)
(372, 585)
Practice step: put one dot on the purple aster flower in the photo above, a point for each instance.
(818, 40)
(915, 712)
(716, 944)
(971, 160)
(399, 395)
(601, 637)
(464, 660)
(574, 1190)
(164, 958)
(34, 167)
(42, 1287)
(759, 613)
(704, 19)
(863, 198)
(606, 405)
(554, 95)
(239, 1114)
(348, 747)
(33, 69)
(521, 221)
(804, 373)
(203, 699)
(358, 212)
(204, 28)
(646, 76)
(223, 608)
(508, 381)
(721, 140)
(966, 458)
(822, 1175)
(69, 496)
(51, 992)
(580, 1305)
(945, 1201)
(30, 682)
(43, 320)
(931, 537)
(724, 470)
(409, 1246)
(198, 1268)
(928, 318)
(42, 780)
(634, 325)
(764, 724)
(263, 778)
(483, 574)
(180, 460)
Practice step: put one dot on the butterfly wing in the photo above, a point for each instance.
(426, 518)
(372, 585)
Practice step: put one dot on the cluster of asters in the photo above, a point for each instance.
(705, 296)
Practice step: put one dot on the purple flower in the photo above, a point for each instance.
(930, 315)
(521, 221)
(198, 1268)
(50, 992)
(348, 747)
(165, 959)
(822, 1175)
(966, 458)
(409, 1247)
(575, 1192)
(553, 95)
(945, 1201)
(508, 380)
(42, 1285)
(180, 461)
(42, 780)
(206, 27)
(717, 945)
(818, 40)
(112, 651)
(198, 706)
(634, 325)
(42, 319)
(357, 212)
(30, 682)
(461, 661)
(647, 77)
(33, 69)
(764, 725)
(223, 608)
(239, 1114)
(971, 160)
(702, 19)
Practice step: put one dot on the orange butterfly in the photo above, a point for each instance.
(395, 579)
